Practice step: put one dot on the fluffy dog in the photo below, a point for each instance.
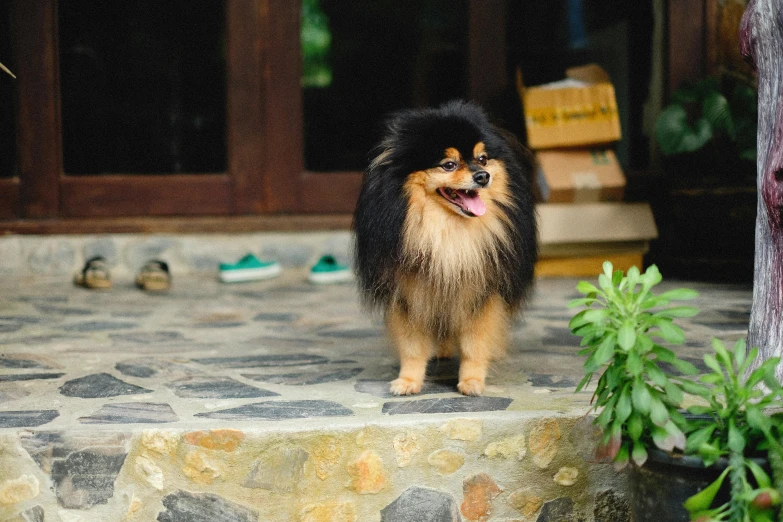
(446, 239)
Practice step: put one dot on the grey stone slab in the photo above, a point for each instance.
(23, 361)
(99, 385)
(283, 317)
(352, 333)
(380, 388)
(135, 370)
(30, 376)
(34, 514)
(280, 410)
(160, 336)
(27, 419)
(417, 504)
(132, 413)
(307, 378)
(209, 387)
(36, 340)
(99, 326)
(446, 405)
(279, 469)
(558, 510)
(611, 507)
(63, 310)
(260, 361)
(552, 381)
(559, 337)
(82, 467)
(183, 506)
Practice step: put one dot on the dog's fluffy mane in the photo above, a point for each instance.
(498, 254)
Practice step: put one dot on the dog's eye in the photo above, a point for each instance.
(448, 166)
(482, 160)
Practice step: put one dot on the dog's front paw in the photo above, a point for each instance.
(404, 386)
(474, 387)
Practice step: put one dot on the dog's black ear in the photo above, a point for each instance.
(524, 157)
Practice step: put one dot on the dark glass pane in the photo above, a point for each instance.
(382, 56)
(143, 86)
(7, 105)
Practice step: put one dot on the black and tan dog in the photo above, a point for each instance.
(446, 239)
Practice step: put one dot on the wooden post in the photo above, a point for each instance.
(761, 41)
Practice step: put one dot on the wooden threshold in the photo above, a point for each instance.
(180, 225)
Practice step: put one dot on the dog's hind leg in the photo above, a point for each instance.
(415, 347)
(483, 339)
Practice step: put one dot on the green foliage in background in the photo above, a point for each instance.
(708, 112)
(316, 41)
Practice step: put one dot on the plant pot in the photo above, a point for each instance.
(660, 487)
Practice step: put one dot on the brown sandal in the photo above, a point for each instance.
(95, 274)
(154, 276)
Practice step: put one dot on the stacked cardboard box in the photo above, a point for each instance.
(571, 126)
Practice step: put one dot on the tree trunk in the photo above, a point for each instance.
(761, 41)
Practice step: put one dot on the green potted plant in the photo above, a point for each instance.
(639, 396)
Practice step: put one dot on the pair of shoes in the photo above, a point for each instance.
(154, 276)
(249, 268)
(326, 271)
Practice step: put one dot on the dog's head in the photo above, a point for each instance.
(451, 155)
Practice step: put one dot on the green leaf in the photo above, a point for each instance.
(713, 364)
(717, 112)
(678, 311)
(679, 294)
(694, 388)
(639, 454)
(675, 134)
(584, 301)
(736, 438)
(703, 499)
(640, 396)
(585, 287)
(623, 407)
(699, 437)
(659, 415)
(673, 392)
(621, 459)
(664, 354)
(762, 479)
(634, 364)
(584, 382)
(684, 367)
(656, 375)
(635, 426)
(595, 316)
(626, 336)
(608, 268)
(671, 332)
(602, 355)
(723, 355)
(740, 352)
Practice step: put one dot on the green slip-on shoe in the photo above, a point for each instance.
(328, 271)
(249, 268)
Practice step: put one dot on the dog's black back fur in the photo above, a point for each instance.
(415, 140)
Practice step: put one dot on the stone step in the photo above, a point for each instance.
(269, 401)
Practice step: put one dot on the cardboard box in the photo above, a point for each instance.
(566, 228)
(579, 176)
(579, 111)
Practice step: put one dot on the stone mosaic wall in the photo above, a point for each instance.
(445, 470)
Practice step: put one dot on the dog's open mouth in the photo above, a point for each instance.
(468, 201)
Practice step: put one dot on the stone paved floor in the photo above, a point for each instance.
(272, 357)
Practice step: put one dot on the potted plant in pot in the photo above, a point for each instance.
(639, 394)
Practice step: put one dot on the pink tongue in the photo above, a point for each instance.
(472, 204)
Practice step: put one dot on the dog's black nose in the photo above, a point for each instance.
(481, 177)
